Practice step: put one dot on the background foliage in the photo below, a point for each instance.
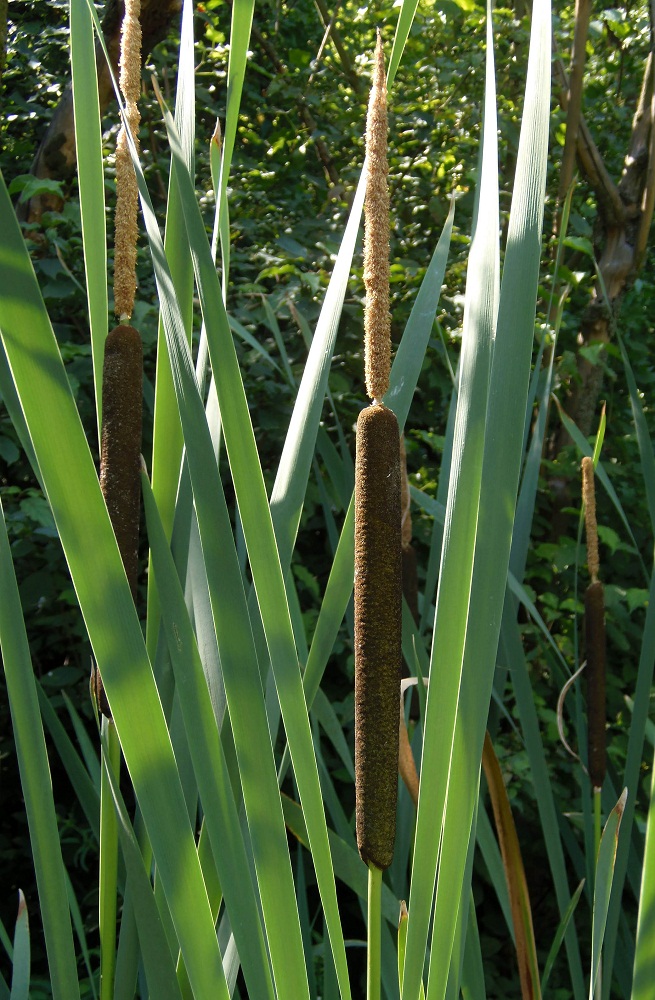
(286, 221)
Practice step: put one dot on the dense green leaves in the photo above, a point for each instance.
(259, 572)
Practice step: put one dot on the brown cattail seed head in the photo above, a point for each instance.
(591, 528)
(120, 462)
(377, 322)
(595, 671)
(127, 192)
(378, 632)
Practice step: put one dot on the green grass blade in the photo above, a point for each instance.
(603, 886)
(158, 961)
(167, 431)
(642, 980)
(108, 609)
(511, 654)
(221, 818)
(458, 557)
(89, 752)
(35, 781)
(108, 867)
(262, 551)
(207, 489)
(405, 21)
(411, 350)
(559, 936)
(242, 12)
(500, 474)
(290, 485)
(473, 646)
(347, 862)
(88, 145)
(490, 852)
(12, 404)
(631, 773)
(20, 973)
(86, 789)
(473, 987)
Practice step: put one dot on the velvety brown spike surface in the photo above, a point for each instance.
(378, 631)
(120, 450)
(595, 648)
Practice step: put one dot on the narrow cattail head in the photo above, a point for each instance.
(595, 672)
(377, 321)
(378, 632)
(127, 193)
(591, 527)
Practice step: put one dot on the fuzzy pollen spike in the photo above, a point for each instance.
(377, 321)
(591, 527)
(127, 192)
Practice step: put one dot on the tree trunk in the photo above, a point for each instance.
(56, 156)
(625, 212)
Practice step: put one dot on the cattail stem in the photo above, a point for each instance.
(374, 943)
(108, 865)
(378, 632)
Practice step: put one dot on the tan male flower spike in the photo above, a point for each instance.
(377, 321)
(127, 192)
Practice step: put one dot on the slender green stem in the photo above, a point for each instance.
(108, 864)
(597, 822)
(374, 933)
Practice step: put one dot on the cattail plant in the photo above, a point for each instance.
(594, 636)
(123, 361)
(378, 568)
(378, 565)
